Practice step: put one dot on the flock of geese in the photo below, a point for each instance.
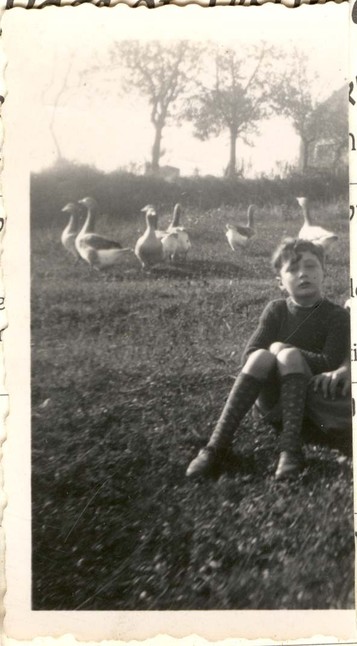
(155, 246)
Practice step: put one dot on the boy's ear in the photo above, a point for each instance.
(280, 283)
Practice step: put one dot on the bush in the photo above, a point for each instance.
(122, 194)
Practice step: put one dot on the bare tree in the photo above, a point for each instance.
(54, 95)
(162, 73)
(234, 98)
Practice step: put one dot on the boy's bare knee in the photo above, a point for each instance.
(276, 347)
(259, 364)
(290, 360)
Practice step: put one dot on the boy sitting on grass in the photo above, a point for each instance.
(297, 338)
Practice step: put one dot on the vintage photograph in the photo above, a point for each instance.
(187, 229)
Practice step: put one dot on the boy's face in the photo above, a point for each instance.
(302, 277)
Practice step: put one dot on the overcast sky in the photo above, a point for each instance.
(93, 124)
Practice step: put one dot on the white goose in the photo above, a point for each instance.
(148, 248)
(239, 235)
(99, 252)
(176, 243)
(176, 216)
(312, 232)
(69, 234)
(149, 208)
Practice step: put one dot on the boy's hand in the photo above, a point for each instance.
(333, 382)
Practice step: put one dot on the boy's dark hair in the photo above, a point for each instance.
(291, 248)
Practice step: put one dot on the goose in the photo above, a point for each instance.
(148, 248)
(176, 243)
(239, 235)
(149, 208)
(99, 252)
(69, 234)
(311, 232)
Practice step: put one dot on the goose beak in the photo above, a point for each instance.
(68, 208)
(301, 200)
(148, 207)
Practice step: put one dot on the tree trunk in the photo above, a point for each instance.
(304, 155)
(156, 149)
(55, 140)
(232, 164)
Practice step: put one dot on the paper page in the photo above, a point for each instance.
(119, 359)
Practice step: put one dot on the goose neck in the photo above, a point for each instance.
(72, 223)
(151, 221)
(155, 221)
(89, 221)
(176, 216)
(250, 216)
(307, 215)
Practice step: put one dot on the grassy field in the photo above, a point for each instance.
(129, 373)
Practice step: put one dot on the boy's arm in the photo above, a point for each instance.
(266, 332)
(336, 346)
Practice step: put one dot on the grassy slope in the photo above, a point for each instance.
(136, 368)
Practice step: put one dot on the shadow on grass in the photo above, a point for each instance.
(200, 269)
(256, 463)
(191, 269)
(233, 464)
(243, 463)
(317, 468)
(195, 268)
(340, 440)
